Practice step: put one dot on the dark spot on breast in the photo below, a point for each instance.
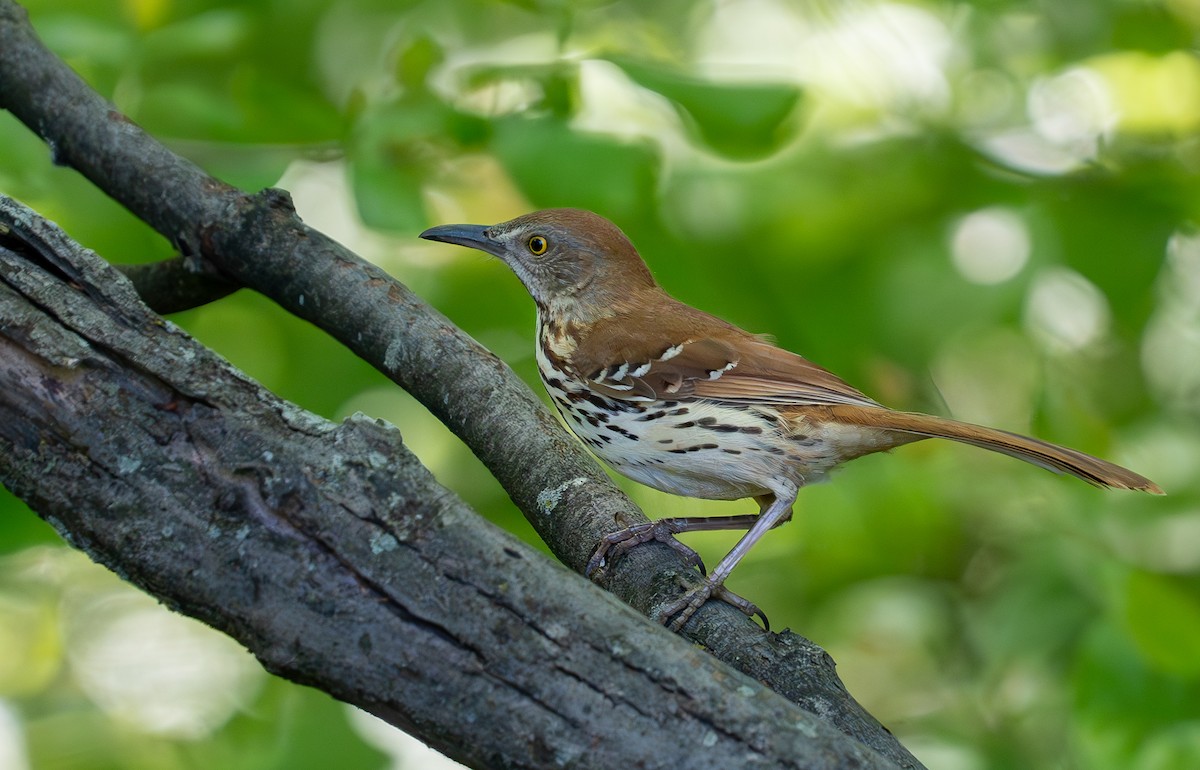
(677, 412)
(616, 404)
(685, 425)
(732, 451)
(622, 432)
(598, 401)
(666, 441)
(651, 416)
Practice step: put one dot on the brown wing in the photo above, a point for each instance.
(696, 355)
(766, 374)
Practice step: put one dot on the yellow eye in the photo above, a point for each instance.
(538, 245)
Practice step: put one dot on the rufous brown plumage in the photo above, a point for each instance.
(687, 403)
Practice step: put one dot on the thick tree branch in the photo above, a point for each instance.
(177, 284)
(259, 242)
(332, 553)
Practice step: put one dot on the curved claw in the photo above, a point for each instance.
(746, 606)
(616, 544)
(678, 613)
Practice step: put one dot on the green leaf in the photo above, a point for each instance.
(1123, 708)
(415, 62)
(216, 34)
(739, 120)
(1164, 621)
(387, 162)
(558, 82)
(22, 528)
(307, 730)
(557, 166)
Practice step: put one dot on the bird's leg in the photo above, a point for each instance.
(615, 544)
(776, 512)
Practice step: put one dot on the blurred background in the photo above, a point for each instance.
(987, 210)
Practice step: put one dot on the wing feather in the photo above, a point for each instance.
(724, 364)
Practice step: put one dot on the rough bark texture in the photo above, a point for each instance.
(257, 241)
(332, 554)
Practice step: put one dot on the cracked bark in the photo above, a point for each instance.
(333, 555)
(257, 241)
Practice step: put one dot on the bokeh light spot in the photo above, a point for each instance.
(162, 673)
(1065, 312)
(990, 245)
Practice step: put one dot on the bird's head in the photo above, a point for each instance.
(561, 255)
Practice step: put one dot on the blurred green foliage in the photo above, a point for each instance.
(988, 209)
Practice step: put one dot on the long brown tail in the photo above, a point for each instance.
(1052, 457)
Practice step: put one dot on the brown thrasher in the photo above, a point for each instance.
(684, 402)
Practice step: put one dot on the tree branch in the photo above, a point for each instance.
(333, 554)
(177, 284)
(259, 242)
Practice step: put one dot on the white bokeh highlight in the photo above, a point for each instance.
(873, 56)
(1171, 345)
(158, 672)
(12, 739)
(1065, 312)
(990, 246)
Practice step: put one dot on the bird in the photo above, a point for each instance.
(687, 403)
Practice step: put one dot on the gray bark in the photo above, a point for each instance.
(257, 241)
(333, 554)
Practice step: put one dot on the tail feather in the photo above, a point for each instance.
(1052, 457)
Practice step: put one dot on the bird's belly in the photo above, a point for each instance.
(695, 448)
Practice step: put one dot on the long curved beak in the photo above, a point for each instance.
(471, 236)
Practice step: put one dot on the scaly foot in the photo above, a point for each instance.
(615, 544)
(678, 613)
